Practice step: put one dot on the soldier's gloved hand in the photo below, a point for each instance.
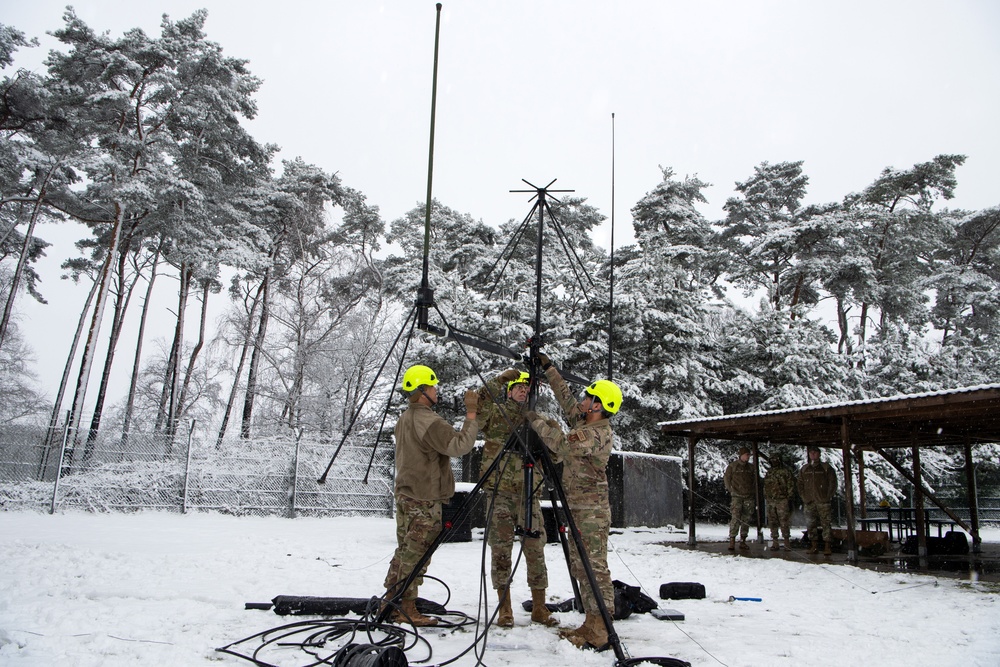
(530, 415)
(543, 360)
(552, 423)
(509, 375)
(471, 400)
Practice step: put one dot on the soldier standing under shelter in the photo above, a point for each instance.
(507, 504)
(817, 486)
(779, 487)
(424, 480)
(584, 452)
(740, 480)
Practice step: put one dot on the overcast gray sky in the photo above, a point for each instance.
(526, 89)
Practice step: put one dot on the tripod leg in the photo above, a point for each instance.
(560, 512)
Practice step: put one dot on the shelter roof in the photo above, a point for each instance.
(937, 418)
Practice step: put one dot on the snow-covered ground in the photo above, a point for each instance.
(169, 589)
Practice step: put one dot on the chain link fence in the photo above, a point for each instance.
(49, 470)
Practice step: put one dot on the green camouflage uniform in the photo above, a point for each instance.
(817, 486)
(424, 444)
(584, 452)
(779, 487)
(739, 480)
(507, 505)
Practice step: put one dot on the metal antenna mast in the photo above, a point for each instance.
(611, 290)
(425, 296)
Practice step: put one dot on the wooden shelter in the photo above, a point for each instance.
(951, 418)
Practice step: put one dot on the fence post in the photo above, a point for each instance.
(187, 470)
(62, 456)
(295, 473)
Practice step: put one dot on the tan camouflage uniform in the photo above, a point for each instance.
(779, 487)
(817, 486)
(584, 452)
(424, 444)
(739, 481)
(508, 509)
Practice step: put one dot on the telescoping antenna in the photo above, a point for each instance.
(425, 296)
(611, 286)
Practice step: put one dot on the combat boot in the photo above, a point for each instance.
(732, 544)
(813, 547)
(567, 633)
(539, 612)
(408, 613)
(827, 548)
(593, 634)
(788, 544)
(774, 545)
(505, 619)
(743, 543)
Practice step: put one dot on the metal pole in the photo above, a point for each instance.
(611, 288)
(295, 473)
(62, 456)
(425, 297)
(187, 470)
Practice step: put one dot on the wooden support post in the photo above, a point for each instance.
(862, 495)
(758, 499)
(692, 538)
(973, 495)
(845, 445)
(918, 503)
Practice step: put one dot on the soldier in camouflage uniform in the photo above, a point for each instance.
(779, 487)
(741, 483)
(817, 486)
(507, 505)
(424, 480)
(584, 452)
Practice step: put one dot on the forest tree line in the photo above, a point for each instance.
(141, 140)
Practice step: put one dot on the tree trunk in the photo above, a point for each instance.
(178, 348)
(68, 367)
(130, 402)
(239, 367)
(122, 298)
(206, 284)
(248, 401)
(104, 278)
(21, 261)
(844, 325)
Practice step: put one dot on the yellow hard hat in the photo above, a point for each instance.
(608, 393)
(523, 379)
(417, 376)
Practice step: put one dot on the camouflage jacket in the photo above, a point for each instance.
(424, 444)
(496, 423)
(817, 482)
(739, 479)
(779, 483)
(584, 451)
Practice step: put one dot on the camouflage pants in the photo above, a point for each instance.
(779, 515)
(741, 510)
(593, 525)
(507, 512)
(418, 523)
(819, 514)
